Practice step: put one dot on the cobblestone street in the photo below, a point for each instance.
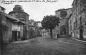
(47, 46)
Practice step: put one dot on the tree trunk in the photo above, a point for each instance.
(51, 33)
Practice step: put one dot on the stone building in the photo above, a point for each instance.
(78, 19)
(19, 13)
(8, 24)
(64, 15)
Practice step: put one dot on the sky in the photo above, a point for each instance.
(37, 10)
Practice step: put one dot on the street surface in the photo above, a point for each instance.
(47, 46)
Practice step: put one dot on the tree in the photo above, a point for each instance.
(50, 22)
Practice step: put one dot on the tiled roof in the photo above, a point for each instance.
(12, 18)
(2, 7)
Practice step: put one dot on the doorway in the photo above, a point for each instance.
(14, 35)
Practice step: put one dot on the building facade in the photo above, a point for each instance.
(64, 15)
(19, 13)
(8, 24)
(78, 19)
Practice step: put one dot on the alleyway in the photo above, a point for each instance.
(47, 46)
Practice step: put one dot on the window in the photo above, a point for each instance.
(74, 25)
(76, 22)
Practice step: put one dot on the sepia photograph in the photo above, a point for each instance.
(42, 27)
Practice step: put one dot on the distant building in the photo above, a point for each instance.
(35, 27)
(78, 19)
(19, 13)
(38, 23)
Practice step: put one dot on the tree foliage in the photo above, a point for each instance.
(50, 22)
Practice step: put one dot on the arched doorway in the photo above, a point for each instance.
(63, 30)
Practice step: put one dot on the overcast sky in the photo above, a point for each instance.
(37, 10)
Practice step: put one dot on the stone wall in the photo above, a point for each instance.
(74, 21)
(64, 20)
(6, 30)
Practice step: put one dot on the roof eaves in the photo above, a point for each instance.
(12, 18)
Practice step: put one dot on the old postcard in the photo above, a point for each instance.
(42, 27)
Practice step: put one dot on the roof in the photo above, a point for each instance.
(12, 12)
(62, 9)
(31, 26)
(2, 8)
(12, 18)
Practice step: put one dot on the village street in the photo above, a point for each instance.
(43, 28)
(47, 46)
